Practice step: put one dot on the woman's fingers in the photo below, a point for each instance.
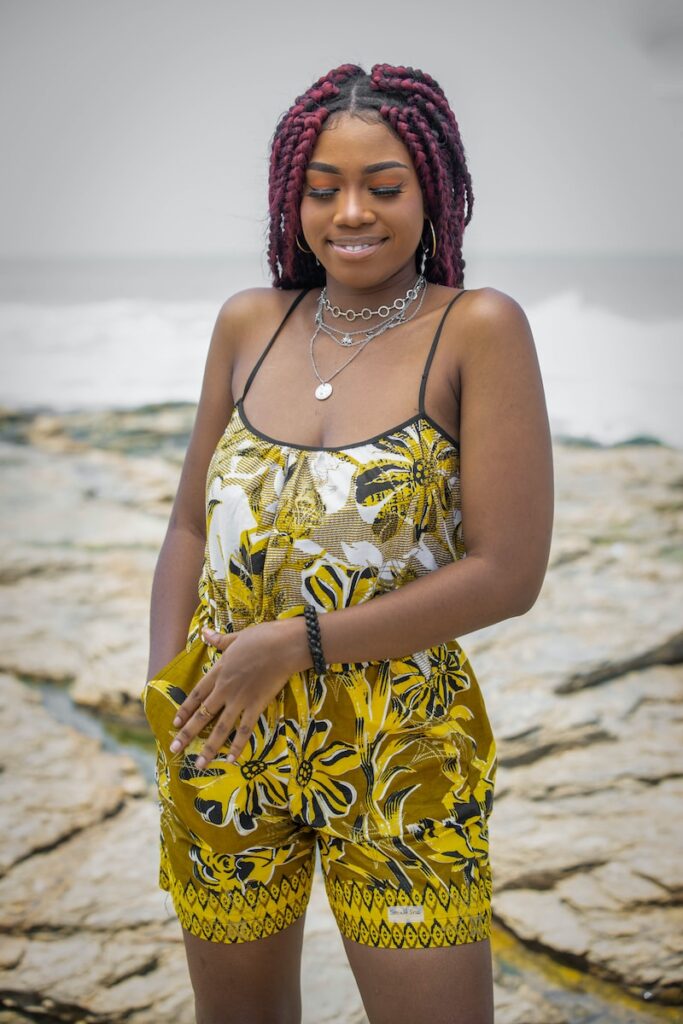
(193, 700)
(190, 705)
(195, 712)
(197, 721)
(244, 731)
(217, 738)
(219, 640)
(211, 693)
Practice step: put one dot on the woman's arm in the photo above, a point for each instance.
(507, 507)
(174, 588)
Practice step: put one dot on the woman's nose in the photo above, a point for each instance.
(351, 211)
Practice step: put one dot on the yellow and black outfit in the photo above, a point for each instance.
(387, 766)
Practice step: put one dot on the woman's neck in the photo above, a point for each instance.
(384, 293)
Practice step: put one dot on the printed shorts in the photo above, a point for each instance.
(388, 768)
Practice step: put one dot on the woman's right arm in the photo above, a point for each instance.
(174, 588)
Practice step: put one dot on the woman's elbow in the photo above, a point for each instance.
(527, 590)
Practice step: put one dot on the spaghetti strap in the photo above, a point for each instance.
(432, 350)
(263, 355)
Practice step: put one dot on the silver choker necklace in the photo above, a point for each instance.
(367, 314)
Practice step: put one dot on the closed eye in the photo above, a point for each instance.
(382, 192)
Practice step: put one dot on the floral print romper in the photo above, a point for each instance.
(386, 768)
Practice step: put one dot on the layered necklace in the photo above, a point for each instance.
(400, 312)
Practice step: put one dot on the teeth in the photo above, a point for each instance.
(355, 248)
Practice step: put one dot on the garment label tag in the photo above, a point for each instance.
(402, 915)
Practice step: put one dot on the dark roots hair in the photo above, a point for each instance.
(414, 107)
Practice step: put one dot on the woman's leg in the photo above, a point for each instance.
(256, 982)
(444, 985)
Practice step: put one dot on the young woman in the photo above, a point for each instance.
(391, 439)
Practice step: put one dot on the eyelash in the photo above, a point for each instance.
(381, 193)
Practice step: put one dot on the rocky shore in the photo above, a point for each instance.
(585, 695)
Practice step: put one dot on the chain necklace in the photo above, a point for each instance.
(417, 292)
(367, 314)
(348, 337)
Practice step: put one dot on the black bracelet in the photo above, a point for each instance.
(315, 644)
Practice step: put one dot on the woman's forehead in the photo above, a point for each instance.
(350, 143)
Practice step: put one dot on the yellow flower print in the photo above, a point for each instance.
(428, 681)
(315, 790)
(329, 583)
(301, 513)
(237, 793)
(240, 462)
(461, 840)
(412, 483)
(257, 864)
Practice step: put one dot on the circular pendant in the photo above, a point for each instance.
(323, 390)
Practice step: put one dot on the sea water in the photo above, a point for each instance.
(118, 333)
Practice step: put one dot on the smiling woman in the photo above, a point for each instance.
(293, 712)
(343, 179)
(428, 157)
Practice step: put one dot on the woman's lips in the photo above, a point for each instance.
(355, 250)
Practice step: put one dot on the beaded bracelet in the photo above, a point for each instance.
(315, 644)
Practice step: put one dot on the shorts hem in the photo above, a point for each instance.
(251, 912)
(449, 933)
(430, 917)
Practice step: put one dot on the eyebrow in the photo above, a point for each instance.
(385, 165)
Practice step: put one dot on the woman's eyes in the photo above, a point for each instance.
(327, 193)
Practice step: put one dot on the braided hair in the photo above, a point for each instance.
(414, 107)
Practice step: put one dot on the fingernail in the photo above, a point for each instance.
(175, 745)
(176, 721)
(200, 762)
(230, 758)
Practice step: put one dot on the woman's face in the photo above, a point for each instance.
(362, 212)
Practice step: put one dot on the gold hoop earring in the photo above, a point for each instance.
(309, 252)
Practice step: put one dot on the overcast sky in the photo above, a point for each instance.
(142, 126)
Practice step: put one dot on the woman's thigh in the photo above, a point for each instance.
(445, 985)
(256, 981)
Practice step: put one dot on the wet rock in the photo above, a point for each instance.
(55, 782)
(585, 696)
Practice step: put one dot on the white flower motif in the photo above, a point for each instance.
(363, 553)
(424, 555)
(309, 546)
(230, 518)
(333, 479)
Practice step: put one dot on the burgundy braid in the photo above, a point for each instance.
(415, 108)
(449, 185)
(435, 182)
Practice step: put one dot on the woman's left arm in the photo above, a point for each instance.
(507, 506)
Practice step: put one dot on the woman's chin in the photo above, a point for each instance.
(366, 276)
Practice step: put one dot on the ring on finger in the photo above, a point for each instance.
(204, 711)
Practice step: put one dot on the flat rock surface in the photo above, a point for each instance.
(584, 695)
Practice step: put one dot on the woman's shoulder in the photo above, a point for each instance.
(481, 302)
(254, 306)
(245, 322)
(486, 313)
(485, 330)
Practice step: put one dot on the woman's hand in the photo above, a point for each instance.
(255, 665)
